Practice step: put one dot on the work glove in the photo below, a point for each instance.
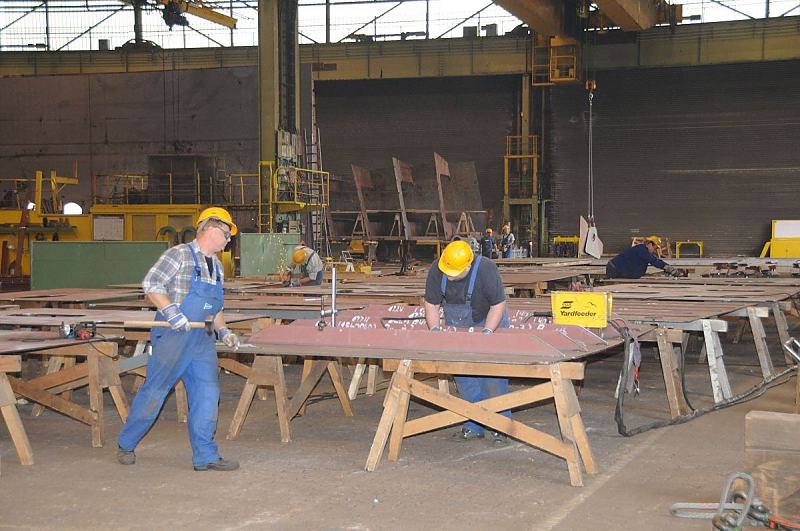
(295, 282)
(668, 269)
(175, 317)
(230, 339)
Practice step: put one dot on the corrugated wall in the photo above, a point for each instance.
(111, 122)
(463, 119)
(709, 153)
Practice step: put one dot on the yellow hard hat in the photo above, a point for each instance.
(456, 257)
(220, 214)
(299, 255)
(488, 231)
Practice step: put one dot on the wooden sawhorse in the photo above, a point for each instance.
(394, 427)
(672, 339)
(267, 370)
(8, 406)
(99, 372)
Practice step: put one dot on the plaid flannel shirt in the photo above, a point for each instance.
(172, 274)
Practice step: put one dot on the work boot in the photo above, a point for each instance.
(125, 457)
(467, 435)
(498, 439)
(221, 465)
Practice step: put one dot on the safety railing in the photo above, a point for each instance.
(242, 189)
(291, 189)
(144, 188)
(522, 146)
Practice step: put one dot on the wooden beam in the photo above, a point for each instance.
(630, 15)
(37, 394)
(523, 397)
(8, 409)
(10, 363)
(569, 370)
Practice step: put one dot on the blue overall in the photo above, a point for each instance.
(304, 270)
(474, 388)
(506, 245)
(190, 356)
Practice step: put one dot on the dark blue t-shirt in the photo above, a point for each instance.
(487, 245)
(487, 292)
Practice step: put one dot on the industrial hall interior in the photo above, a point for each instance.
(400, 264)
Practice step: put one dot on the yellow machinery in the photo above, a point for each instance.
(555, 60)
(32, 210)
(785, 241)
(565, 246)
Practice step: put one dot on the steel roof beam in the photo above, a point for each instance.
(546, 17)
(630, 15)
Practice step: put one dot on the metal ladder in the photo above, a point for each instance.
(319, 220)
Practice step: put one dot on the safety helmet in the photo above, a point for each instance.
(299, 255)
(655, 240)
(219, 214)
(456, 258)
(489, 232)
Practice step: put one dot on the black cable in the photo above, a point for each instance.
(682, 370)
(619, 412)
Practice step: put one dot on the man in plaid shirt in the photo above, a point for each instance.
(185, 285)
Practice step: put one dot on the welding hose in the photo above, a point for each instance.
(619, 412)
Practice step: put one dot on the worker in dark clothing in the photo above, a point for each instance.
(487, 245)
(633, 262)
(469, 292)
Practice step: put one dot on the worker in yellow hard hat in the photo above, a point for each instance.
(470, 293)
(307, 266)
(185, 285)
(507, 241)
(633, 261)
(219, 214)
(488, 247)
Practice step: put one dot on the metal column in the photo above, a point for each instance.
(268, 88)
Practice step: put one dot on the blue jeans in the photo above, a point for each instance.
(478, 388)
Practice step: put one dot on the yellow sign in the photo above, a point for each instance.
(581, 308)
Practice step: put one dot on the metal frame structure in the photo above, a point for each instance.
(402, 223)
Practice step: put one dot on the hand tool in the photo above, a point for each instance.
(207, 324)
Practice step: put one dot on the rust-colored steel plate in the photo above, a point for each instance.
(103, 318)
(696, 292)
(67, 295)
(399, 332)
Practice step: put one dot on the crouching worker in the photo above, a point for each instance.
(633, 262)
(311, 268)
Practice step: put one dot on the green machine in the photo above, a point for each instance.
(265, 253)
(91, 264)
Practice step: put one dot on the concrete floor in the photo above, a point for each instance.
(318, 481)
